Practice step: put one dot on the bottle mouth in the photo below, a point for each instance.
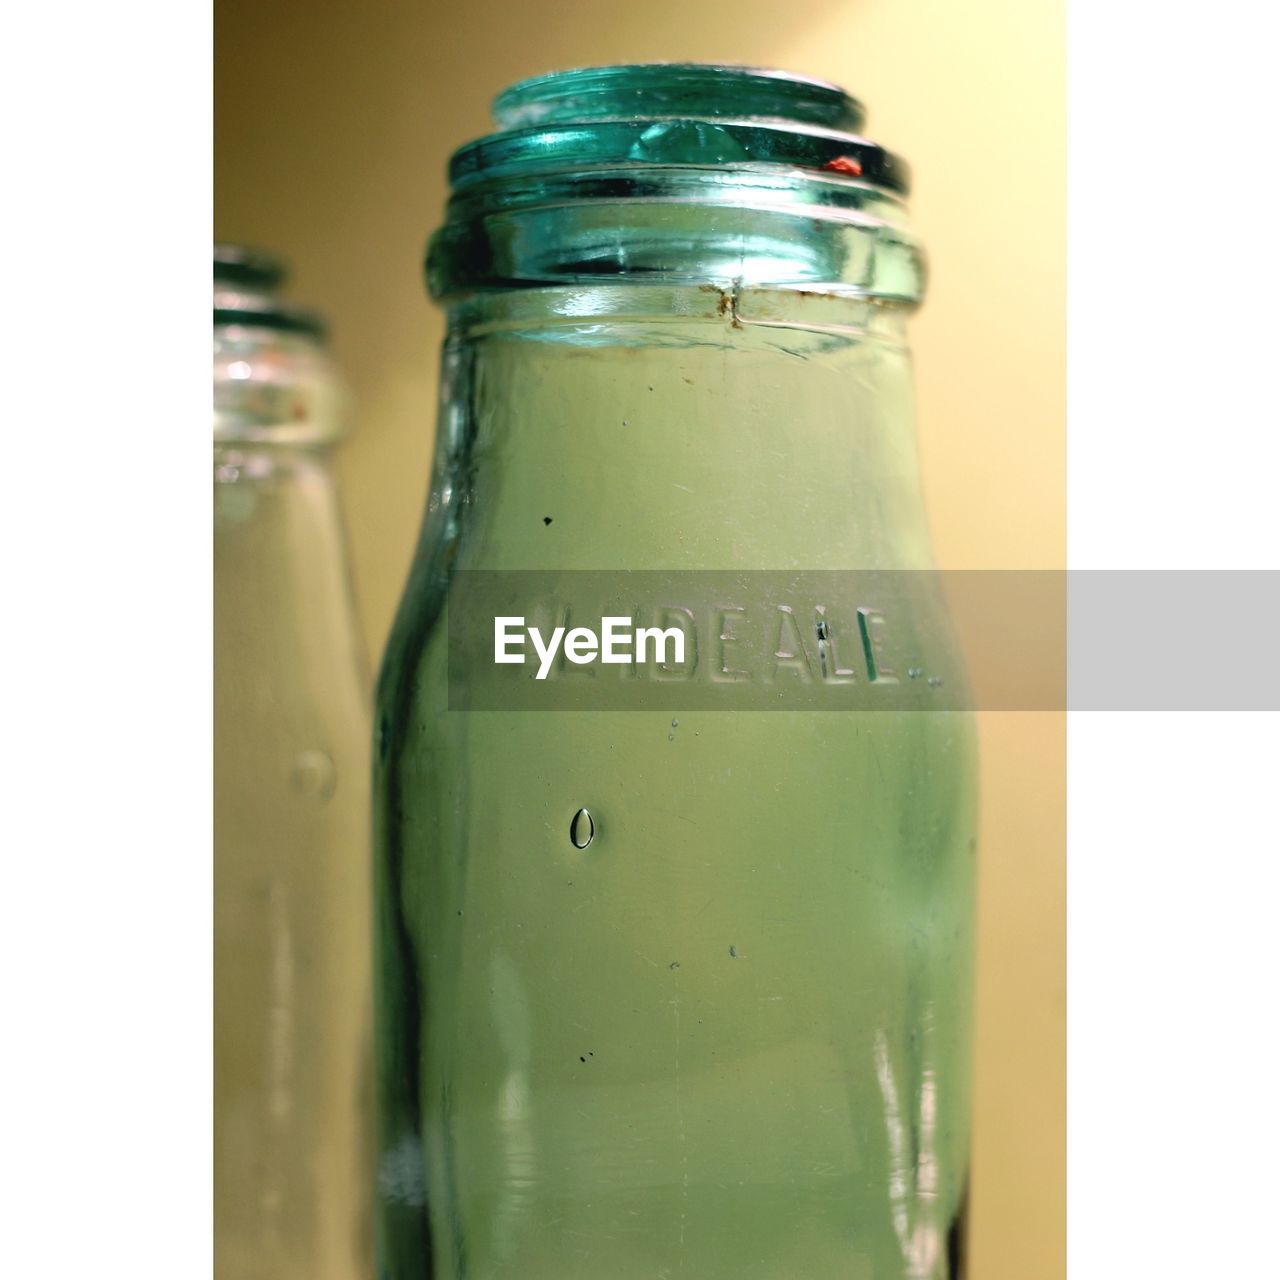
(676, 114)
(680, 171)
(676, 88)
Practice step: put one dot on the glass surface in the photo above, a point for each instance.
(718, 1026)
(291, 898)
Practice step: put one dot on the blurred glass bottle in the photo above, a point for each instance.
(291, 719)
(720, 1026)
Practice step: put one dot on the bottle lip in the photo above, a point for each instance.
(245, 280)
(676, 171)
(700, 89)
(641, 115)
(247, 267)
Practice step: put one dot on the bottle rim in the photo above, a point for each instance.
(245, 280)
(676, 171)
(698, 88)
(671, 113)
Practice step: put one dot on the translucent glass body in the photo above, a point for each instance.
(291, 912)
(729, 1037)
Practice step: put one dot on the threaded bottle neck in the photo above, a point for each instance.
(670, 172)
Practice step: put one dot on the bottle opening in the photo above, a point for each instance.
(667, 88)
(675, 114)
(677, 172)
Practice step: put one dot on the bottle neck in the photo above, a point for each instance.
(280, 557)
(693, 174)
(281, 569)
(284, 616)
(578, 310)
(274, 388)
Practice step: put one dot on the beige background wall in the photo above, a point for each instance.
(333, 123)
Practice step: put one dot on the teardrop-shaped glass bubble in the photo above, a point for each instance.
(582, 829)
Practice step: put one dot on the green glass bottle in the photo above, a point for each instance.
(660, 995)
(292, 991)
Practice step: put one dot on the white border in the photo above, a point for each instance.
(1173, 271)
(105, 936)
(104, 933)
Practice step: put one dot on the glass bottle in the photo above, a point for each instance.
(292, 987)
(718, 1024)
